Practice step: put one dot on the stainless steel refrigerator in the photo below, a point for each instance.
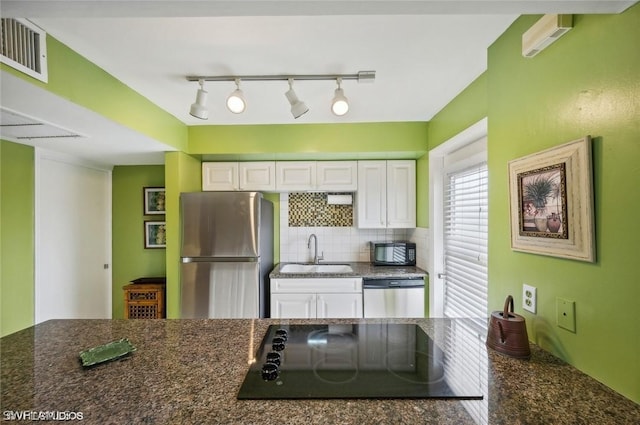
(227, 254)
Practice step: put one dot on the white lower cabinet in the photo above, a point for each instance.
(287, 306)
(316, 298)
(338, 305)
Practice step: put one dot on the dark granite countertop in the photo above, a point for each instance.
(189, 372)
(360, 269)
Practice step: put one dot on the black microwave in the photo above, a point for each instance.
(393, 253)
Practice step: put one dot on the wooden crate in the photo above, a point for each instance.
(144, 301)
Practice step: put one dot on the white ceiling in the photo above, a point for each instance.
(424, 52)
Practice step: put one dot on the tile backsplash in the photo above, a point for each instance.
(336, 241)
(312, 210)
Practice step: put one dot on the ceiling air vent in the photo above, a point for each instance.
(18, 127)
(23, 46)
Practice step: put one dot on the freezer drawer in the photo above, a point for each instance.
(221, 290)
(405, 299)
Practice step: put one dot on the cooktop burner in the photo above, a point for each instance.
(349, 361)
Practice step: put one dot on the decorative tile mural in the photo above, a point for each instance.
(312, 210)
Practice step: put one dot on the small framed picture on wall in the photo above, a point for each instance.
(154, 200)
(155, 234)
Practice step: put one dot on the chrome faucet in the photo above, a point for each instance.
(316, 257)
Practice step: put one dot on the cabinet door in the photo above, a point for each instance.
(337, 175)
(372, 194)
(293, 306)
(401, 194)
(257, 175)
(295, 175)
(220, 176)
(339, 306)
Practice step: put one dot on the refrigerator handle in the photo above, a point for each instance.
(219, 259)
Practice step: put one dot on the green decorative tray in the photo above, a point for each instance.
(104, 353)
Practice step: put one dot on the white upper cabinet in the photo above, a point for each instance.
(339, 176)
(293, 176)
(220, 176)
(257, 175)
(401, 194)
(386, 189)
(386, 194)
(372, 194)
(227, 176)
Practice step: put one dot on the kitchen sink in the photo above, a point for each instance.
(316, 268)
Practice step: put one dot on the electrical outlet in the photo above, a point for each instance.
(566, 314)
(529, 300)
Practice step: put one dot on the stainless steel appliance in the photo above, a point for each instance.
(227, 253)
(393, 253)
(382, 360)
(393, 297)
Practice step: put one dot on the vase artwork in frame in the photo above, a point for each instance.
(543, 195)
(551, 199)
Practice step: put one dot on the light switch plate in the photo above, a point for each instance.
(566, 314)
(529, 299)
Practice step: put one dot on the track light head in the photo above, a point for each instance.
(339, 104)
(199, 108)
(235, 101)
(298, 108)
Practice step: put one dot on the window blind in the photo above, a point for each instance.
(466, 368)
(465, 243)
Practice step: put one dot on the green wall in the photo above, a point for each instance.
(183, 173)
(275, 198)
(130, 259)
(587, 83)
(387, 140)
(466, 109)
(17, 237)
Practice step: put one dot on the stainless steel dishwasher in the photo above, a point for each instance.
(393, 297)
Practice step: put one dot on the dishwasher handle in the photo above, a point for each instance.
(392, 283)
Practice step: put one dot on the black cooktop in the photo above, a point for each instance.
(350, 361)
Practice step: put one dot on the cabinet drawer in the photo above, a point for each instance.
(317, 286)
(144, 301)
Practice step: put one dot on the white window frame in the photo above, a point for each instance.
(437, 157)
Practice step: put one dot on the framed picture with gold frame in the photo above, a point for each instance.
(551, 199)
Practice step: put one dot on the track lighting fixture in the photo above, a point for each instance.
(339, 104)
(298, 108)
(199, 108)
(235, 101)
(237, 104)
